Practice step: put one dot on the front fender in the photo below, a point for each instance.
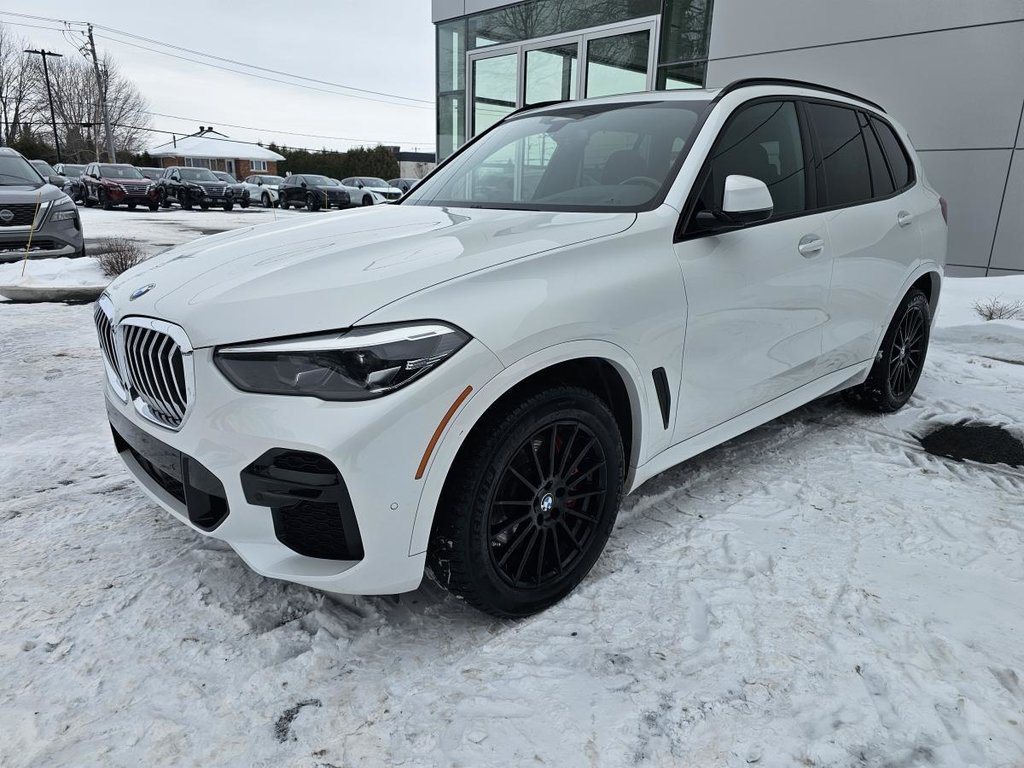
(474, 409)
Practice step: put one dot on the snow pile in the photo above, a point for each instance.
(819, 592)
(50, 272)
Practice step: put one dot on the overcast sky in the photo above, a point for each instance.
(377, 45)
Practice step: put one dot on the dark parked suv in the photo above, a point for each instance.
(107, 185)
(35, 215)
(312, 191)
(238, 191)
(191, 186)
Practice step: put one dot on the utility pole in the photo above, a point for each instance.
(112, 156)
(49, 94)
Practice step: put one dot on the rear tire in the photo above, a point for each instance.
(897, 368)
(529, 503)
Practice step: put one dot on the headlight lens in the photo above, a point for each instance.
(64, 210)
(358, 365)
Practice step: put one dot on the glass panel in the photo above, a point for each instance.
(843, 154)
(451, 56)
(881, 181)
(540, 18)
(897, 156)
(451, 124)
(685, 28)
(494, 89)
(678, 76)
(551, 74)
(762, 141)
(617, 64)
(609, 157)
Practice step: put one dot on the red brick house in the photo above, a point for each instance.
(213, 150)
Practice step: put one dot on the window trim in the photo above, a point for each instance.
(903, 148)
(258, 166)
(810, 182)
(680, 234)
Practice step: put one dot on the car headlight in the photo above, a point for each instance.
(63, 210)
(355, 365)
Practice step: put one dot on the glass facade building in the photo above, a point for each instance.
(495, 61)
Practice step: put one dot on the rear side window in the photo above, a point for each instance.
(895, 153)
(843, 157)
(881, 181)
(762, 141)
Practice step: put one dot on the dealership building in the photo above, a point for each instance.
(951, 71)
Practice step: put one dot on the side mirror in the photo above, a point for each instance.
(259, 183)
(359, 184)
(745, 201)
(303, 185)
(57, 181)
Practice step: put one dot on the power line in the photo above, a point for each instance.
(262, 69)
(423, 103)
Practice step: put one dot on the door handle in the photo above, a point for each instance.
(810, 245)
(903, 218)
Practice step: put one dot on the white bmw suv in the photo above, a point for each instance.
(580, 298)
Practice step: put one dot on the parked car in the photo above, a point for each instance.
(35, 216)
(73, 173)
(238, 191)
(191, 186)
(109, 185)
(370, 184)
(470, 379)
(403, 184)
(312, 191)
(150, 173)
(263, 187)
(51, 176)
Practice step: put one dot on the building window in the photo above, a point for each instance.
(541, 18)
(685, 35)
(198, 162)
(451, 87)
(258, 165)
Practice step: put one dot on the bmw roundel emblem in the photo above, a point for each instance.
(141, 291)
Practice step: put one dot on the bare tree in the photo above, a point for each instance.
(16, 84)
(76, 106)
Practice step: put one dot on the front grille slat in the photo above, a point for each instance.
(23, 214)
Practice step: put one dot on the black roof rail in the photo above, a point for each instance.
(749, 81)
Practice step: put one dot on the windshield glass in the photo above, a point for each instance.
(613, 157)
(320, 181)
(224, 176)
(73, 170)
(197, 174)
(273, 179)
(44, 168)
(120, 172)
(16, 171)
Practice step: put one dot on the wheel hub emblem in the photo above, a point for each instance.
(547, 503)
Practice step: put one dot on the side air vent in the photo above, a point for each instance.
(664, 397)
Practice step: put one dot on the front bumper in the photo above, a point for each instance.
(375, 446)
(52, 240)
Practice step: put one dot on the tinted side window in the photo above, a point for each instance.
(843, 154)
(902, 170)
(762, 141)
(881, 181)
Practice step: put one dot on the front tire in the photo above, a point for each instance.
(104, 199)
(282, 204)
(529, 503)
(229, 206)
(312, 202)
(367, 200)
(897, 368)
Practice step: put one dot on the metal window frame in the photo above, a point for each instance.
(582, 39)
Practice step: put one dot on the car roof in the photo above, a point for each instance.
(781, 85)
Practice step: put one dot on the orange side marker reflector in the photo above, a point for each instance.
(440, 428)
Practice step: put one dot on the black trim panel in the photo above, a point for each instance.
(664, 396)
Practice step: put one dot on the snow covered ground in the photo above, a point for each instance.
(819, 592)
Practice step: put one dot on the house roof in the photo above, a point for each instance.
(213, 148)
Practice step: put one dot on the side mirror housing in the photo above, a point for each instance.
(745, 201)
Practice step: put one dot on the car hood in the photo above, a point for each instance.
(28, 193)
(327, 272)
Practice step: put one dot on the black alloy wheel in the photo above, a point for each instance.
(900, 359)
(545, 507)
(529, 503)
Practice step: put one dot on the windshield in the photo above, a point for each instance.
(320, 181)
(44, 168)
(197, 174)
(16, 171)
(582, 157)
(224, 176)
(73, 170)
(373, 181)
(120, 172)
(273, 179)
